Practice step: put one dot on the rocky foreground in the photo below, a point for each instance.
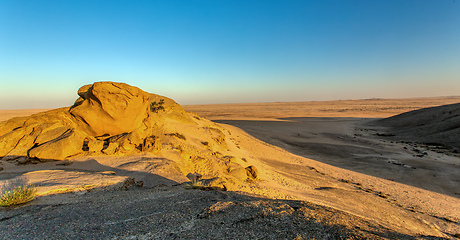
(172, 213)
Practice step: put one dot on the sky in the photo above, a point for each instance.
(229, 51)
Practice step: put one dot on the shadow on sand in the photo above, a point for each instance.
(347, 143)
(165, 210)
(72, 171)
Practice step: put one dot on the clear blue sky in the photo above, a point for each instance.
(221, 51)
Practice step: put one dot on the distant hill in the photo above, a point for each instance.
(434, 125)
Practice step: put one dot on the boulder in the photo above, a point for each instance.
(111, 149)
(9, 142)
(151, 144)
(252, 172)
(111, 108)
(82, 93)
(237, 171)
(108, 117)
(95, 145)
(68, 144)
(194, 177)
(18, 135)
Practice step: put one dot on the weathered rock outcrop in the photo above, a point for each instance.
(104, 110)
(116, 119)
(48, 135)
(110, 108)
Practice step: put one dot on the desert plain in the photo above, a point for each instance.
(287, 170)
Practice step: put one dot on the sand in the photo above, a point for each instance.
(319, 152)
(369, 108)
(7, 114)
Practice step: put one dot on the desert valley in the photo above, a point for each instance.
(122, 163)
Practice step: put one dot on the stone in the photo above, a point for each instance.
(129, 183)
(230, 158)
(67, 145)
(81, 192)
(216, 183)
(17, 143)
(252, 172)
(114, 118)
(131, 141)
(126, 147)
(194, 176)
(111, 149)
(9, 142)
(64, 163)
(82, 91)
(51, 134)
(111, 108)
(22, 160)
(108, 173)
(237, 171)
(95, 145)
(19, 135)
(150, 144)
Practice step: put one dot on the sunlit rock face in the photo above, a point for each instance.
(46, 134)
(116, 119)
(108, 118)
(103, 109)
(111, 108)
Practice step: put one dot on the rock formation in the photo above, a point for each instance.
(116, 119)
(110, 108)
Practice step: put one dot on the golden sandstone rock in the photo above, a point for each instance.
(104, 108)
(66, 145)
(116, 119)
(111, 108)
(18, 136)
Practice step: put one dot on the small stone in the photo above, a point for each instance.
(108, 173)
(237, 171)
(95, 145)
(230, 158)
(81, 192)
(252, 172)
(34, 161)
(64, 163)
(151, 143)
(129, 183)
(140, 183)
(111, 149)
(194, 176)
(23, 160)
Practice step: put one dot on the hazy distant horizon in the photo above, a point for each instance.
(211, 52)
(50, 106)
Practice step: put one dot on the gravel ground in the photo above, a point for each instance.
(176, 213)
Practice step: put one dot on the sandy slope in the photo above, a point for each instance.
(392, 170)
(438, 126)
(363, 195)
(391, 204)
